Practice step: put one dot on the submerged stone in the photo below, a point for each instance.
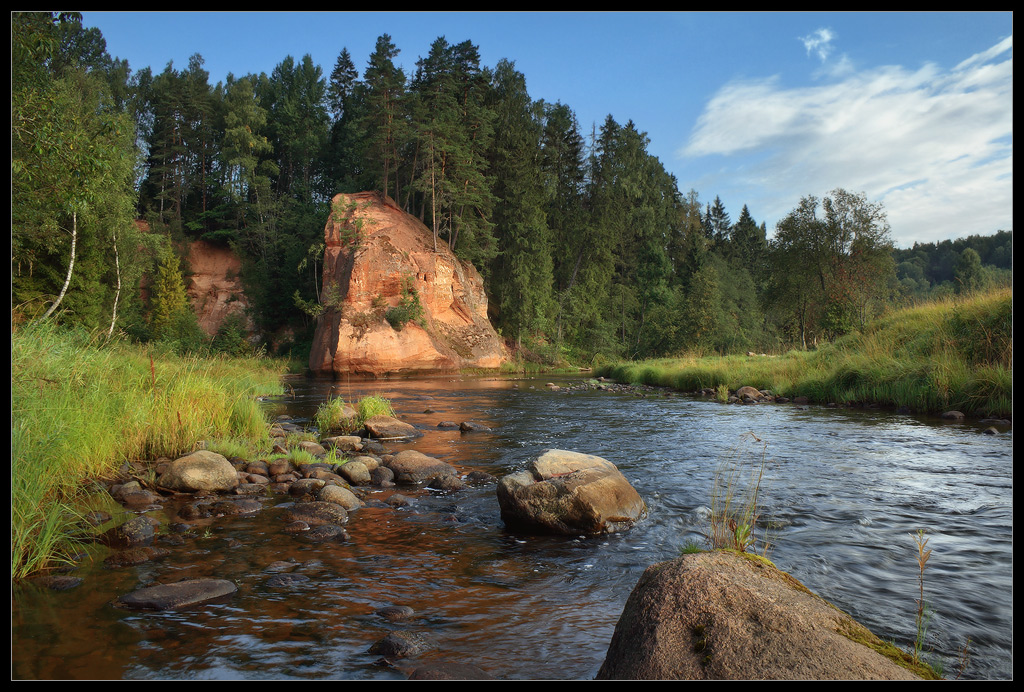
(181, 594)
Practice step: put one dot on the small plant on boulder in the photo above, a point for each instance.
(735, 507)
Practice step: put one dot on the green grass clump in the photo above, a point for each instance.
(955, 353)
(331, 415)
(79, 409)
(374, 405)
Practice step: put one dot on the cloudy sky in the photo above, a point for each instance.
(913, 109)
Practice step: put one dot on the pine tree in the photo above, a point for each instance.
(522, 276)
(168, 299)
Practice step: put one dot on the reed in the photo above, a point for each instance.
(923, 611)
(735, 498)
(79, 409)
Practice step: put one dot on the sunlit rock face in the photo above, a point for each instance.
(393, 302)
(215, 286)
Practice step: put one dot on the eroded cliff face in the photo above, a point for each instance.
(215, 288)
(378, 258)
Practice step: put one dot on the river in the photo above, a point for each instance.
(844, 491)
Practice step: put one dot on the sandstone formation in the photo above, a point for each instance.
(215, 286)
(379, 259)
(722, 615)
(569, 493)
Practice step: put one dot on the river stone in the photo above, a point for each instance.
(470, 426)
(746, 391)
(724, 616)
(306, 486)
(57, 582)
(324, 533)
(316, 513)
(386, 427)
(252, 488)
(952, 415)
(279, 467)
(178, 595)
(382, 476)
(449, 670)
(395, 613)
(447, 483)
(479, 477)
(133, 532)
(344, 443)
(569, 493)
(200, 470)
(284, 581)
(233, 507)
(355, 473)
(135, 556)
(412, 467)
(402, 645)
(312, 447)
(339, 496)
(368, 461)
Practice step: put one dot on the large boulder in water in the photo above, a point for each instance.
(200, 470)
(569, 493)
(723, 615)
(399, 301)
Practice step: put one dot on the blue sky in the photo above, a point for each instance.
(913, 109)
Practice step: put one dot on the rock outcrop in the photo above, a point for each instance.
(569, 493)
(215, 286)
(393, 302)
(722, 615)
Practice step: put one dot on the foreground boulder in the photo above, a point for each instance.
(723, 615)
(399, 300)
(569, 493)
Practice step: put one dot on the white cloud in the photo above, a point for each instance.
(819, 43)
(934, 146)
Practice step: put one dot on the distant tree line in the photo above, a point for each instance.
(586, 243)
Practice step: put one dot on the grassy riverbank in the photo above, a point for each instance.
(79, 410)
(950, 354)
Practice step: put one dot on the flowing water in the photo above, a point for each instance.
(843, 493)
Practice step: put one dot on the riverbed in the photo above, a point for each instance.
(843, 493)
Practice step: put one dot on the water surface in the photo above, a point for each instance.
(843, 493)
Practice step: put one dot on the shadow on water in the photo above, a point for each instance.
(844, 491)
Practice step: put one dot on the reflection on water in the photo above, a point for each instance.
(844, 491)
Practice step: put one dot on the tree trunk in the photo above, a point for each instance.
(117, 293)
(71, 265)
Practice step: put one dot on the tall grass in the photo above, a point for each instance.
(955, 353)
(79, 410)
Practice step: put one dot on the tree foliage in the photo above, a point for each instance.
(586, 243)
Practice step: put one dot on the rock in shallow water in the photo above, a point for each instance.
(402, 645)
(569, 493)
(181, 594)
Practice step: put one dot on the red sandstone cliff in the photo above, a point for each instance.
(215, 288)
(375, 253)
